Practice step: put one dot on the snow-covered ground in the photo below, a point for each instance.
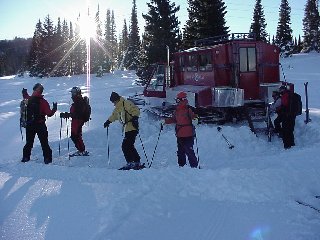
(245, 193)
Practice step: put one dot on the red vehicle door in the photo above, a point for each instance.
(248, 72)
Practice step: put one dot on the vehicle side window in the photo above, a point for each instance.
(192, 63)
(205, 62)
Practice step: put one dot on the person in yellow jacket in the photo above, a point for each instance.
(127, 113)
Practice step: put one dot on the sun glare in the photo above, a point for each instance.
(87, 28)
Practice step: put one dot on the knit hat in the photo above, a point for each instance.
(38, 87)
(114, 97)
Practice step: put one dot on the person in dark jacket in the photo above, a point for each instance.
(127, 113)
(77, 116)
(288, 120)
(38, 125)
(184, 118)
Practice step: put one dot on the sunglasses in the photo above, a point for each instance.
(180, 99)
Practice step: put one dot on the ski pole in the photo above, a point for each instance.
(195, 136)
(68, 137)
(227, 141)
(60, 136)
(144, 151)
(154, 152)
(307, 103)
(108, 145)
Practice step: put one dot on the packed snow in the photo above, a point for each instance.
(245, 193)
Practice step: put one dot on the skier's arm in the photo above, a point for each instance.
(45, 108)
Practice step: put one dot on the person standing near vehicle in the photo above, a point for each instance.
(38, 108)
(288, 120)
(276, 107)
(128, 114)
(184, 118)
(77, 116)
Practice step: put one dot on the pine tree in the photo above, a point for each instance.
(206, 19)
(161, 30)
(107, 42)
(284, 31)
(48, 61)
(123, 45)
(258, 25)
(132, 57)
(36, 51)
(113, 41)
(311, 24)
(79, 53)
(96, 51)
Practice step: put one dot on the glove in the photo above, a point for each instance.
(24, 91)
(54, 106)
(195, 121)
(106, 124)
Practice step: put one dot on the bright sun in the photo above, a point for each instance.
(87, 28)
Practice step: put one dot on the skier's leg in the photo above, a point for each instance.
(180, 152)
(42, 133)
(188, 148)
(30, 135)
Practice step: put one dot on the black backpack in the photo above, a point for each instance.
(295, 104)
(86, 109)
(29, 111)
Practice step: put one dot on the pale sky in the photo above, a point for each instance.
(19, 17)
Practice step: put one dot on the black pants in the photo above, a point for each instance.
(129, 151)
(277, 123)
(41, 130)
(287, 131)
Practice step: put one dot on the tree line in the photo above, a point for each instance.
(63, 49)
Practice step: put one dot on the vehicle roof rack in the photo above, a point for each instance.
(224, 39)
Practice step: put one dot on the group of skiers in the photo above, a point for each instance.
(125, 111)
(128, 114)
(284, 123)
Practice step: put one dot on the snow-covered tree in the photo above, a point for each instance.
(258, 25)
(36, 51)
(206, 18)
(161, 30)
(132, 56)
(311, 24)
(284, 31)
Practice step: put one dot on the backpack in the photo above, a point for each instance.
(29, 111)
(295, 104)
(86, 109)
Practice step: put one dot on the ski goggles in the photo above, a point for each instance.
(180, 99)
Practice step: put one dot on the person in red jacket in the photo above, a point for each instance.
(39, 108)
(183, 117)
(76, 113)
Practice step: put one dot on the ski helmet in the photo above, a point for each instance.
(181, 95)
(114, 97)
(75, 91)
(38, 87)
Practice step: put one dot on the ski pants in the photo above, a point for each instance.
(185, 148)
(76, 134)
(287, 130)
(41, 130)
(277, 123)
(129, 151)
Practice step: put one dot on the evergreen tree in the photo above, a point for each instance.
(311, 26)
(36, 51)
(79, 53)
(206, 19)
(47, 62)
(123, 44)
(258, 25)
(284, 31)
(71, 49)
(59, 51)
(96, 51)
(107, 42)
(113, 41)
(132, 56)
(161, 30)
(300, 44)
